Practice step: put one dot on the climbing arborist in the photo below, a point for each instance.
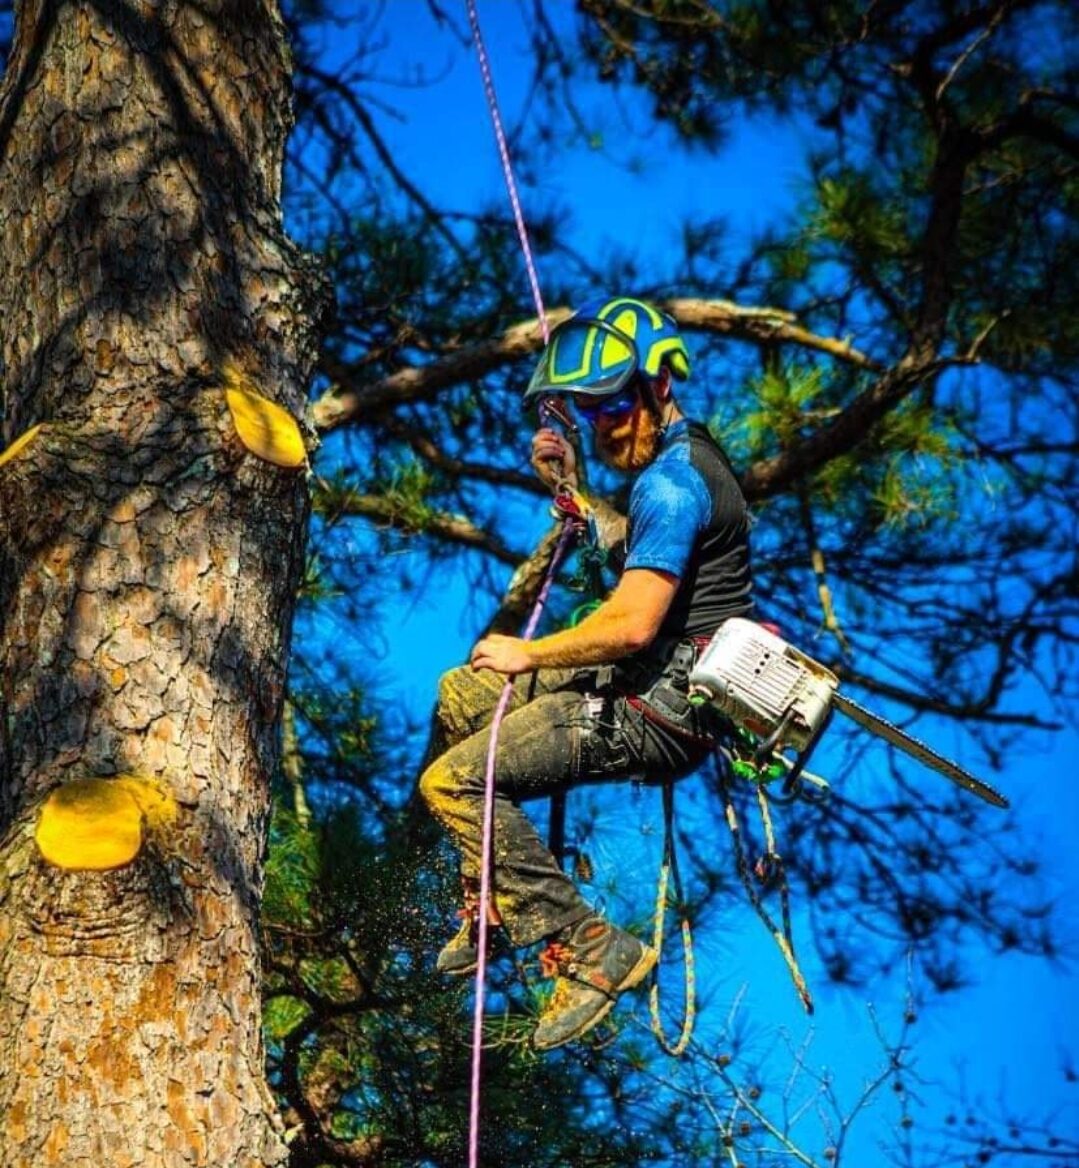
(606, 699)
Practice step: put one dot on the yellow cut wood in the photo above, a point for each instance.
(268, 430)
(19, 444)
(100, 823)
(155, 800)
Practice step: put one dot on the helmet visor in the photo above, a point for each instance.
(584, 356)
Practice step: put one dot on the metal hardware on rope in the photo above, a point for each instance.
(668, 871)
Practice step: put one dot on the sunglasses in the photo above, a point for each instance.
(613, 406)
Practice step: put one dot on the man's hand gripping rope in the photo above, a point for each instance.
(555, 462)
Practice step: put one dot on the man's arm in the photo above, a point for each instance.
(625, 622)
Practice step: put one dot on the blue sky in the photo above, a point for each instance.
(1005, 1037)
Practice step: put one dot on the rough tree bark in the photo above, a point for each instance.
(148, 565)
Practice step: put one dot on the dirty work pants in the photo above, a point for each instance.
(559, 732)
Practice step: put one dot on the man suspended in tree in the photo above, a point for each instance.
(606, 699)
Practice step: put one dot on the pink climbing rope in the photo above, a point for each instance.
(507, 167)
(541, 600)
(487, 849)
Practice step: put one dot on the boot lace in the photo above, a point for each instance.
(553, 958)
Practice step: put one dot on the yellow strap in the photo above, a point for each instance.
(668, 867)
(783, 938)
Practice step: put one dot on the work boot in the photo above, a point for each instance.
(594, 962)
(460, 955)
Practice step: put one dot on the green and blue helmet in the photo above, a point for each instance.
(603, 345)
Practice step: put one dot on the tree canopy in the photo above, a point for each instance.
(891, 367)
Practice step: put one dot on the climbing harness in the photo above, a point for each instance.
(655, 683)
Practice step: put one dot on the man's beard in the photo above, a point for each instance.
(631, 445)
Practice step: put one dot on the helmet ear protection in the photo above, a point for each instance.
(656, 390)
(600, 349)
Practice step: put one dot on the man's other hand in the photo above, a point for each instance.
(508, 655)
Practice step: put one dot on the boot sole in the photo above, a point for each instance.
(460, 970)
(635, 976)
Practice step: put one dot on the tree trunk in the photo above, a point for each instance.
(148, 566)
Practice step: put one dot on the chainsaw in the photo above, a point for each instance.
(785, 699)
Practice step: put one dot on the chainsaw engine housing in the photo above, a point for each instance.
(762, 683)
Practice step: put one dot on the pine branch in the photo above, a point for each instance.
(442, 525)
(1025, 123)
(349, 403)
(768, 325)
(842, 434)
(459, 468)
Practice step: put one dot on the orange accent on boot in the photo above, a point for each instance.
(553, 958)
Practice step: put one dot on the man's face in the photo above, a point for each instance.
(627, 440)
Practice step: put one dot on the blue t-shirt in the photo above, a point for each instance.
(688, 517)
(669, 507)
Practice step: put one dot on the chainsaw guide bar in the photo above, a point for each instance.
(784, 697)
(924, 754)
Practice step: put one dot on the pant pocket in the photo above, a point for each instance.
(609, 738)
